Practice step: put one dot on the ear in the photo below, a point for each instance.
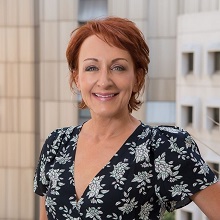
(76, 79)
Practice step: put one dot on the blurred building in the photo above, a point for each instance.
(183, 87)
(198, 86)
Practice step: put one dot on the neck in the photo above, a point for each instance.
(102, 128)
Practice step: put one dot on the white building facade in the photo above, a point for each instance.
(198, 88)
(183, 86)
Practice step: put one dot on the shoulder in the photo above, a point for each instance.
(173, 139)
(62, 133)
(57, 137)
(169, 130)
(165, 133)
(175, 145)
(171, 134)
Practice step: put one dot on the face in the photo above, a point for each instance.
(106, 78)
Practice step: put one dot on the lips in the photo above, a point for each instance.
(105, 96)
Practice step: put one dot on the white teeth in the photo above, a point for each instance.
(104, 96)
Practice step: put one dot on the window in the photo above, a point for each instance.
(160, 113)
(213, 118)
(186, 215)
(217, 62)
(90, 9)
(188, 63)
(214, 63)
(189, 215)
(216, 116)
(84, 115)
(187, 116)
(215, 168)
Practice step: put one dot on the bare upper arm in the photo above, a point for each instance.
(43, 214)
(208, 200)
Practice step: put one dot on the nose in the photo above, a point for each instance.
(104, 78)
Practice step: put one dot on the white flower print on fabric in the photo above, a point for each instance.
(69, 132)
(204, 169)
(56, 143)
(170, 129)
(158, 143)
(65, 157)
(199, 166)
(162, 167)
(166, 170)
(76, 204)
(180, 189)
(128, 206)
(141, 152)
(204, 183)
(67, 213)
(143, 178)
(96, 191)
(182, 153)
(115, 216)
(54, 175)
(144, 134)
(71, 169)
(189, 142)
(35, 183)
(171, 205)
(74, 140)
(50, 203)
(118, 173)
(94, 213)
(128, 203)
(43, 178)
(164, 202)
(162, 199)
(145, 211)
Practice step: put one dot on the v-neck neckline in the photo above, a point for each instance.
(119, 152)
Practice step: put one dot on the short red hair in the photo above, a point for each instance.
(118, 32)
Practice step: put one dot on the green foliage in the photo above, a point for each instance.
(169, 216)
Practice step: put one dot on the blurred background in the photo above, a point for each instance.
(183, 87)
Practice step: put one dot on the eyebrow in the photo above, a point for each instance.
(94, 59)
(114, 60)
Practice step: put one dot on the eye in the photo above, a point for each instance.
(118, 68)
(91, 68)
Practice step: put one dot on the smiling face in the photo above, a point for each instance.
(106, 78)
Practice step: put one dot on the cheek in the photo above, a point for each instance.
(86, 83)
(128, 86)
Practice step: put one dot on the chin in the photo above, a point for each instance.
(107, 113)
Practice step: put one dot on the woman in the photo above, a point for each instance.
(114, 166)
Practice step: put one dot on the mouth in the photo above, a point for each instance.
(105, 97)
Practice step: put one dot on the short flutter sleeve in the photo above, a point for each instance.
(179, 168)
(46, 159)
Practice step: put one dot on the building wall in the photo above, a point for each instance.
(19, 101)
(162, 19)
(34, 93)
(57, 104)
(200, 88)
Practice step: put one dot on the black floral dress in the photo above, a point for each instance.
(156, 169)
